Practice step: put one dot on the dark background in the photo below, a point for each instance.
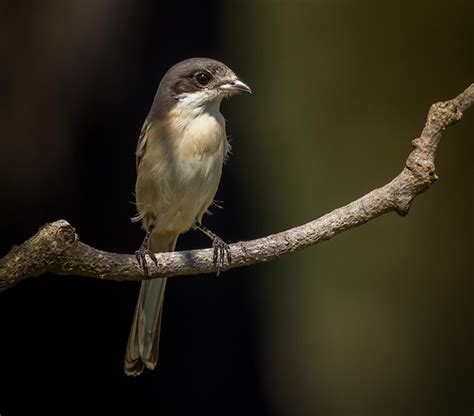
(377, 321)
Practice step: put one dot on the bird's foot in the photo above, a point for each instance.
(221, 248)
(141, 254)
(221, 252)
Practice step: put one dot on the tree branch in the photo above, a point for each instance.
(56, 247)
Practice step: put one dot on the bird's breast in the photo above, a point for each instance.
(200, 144)
(196, 132)
(190, 150)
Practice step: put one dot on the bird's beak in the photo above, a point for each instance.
(235, 87)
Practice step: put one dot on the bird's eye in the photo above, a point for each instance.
(203, 78)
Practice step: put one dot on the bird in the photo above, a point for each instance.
(179, 157)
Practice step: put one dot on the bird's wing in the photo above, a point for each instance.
(142, 139)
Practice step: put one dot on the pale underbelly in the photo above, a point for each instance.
(180, 195)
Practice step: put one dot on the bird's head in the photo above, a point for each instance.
(199, 82)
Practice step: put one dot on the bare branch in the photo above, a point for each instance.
(56, 247)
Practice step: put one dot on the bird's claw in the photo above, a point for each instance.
(141, 254)
(221, 252)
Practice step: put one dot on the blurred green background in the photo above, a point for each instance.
(379, 320)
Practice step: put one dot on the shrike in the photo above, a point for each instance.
(179, 158)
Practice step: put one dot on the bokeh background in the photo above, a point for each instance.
(378, 320)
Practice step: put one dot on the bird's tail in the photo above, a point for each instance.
(143, 342)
